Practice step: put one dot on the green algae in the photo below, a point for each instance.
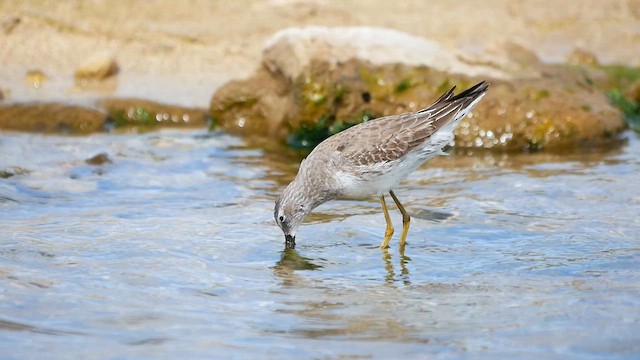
(146, 115)
(213, 123)
(403, 86)
(629, 107)
(309, 135)
(620, 80)
(314, 93)
(138, 116)
(539, 94)
(621, 76)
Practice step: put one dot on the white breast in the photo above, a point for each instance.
(391, 174)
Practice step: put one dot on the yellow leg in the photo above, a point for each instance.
(389, 232)
(406, 219)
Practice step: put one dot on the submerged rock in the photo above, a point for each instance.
(147, 114)
(316, 81)
(133, 114)
(11, 171)
(100, 159)
(51, 118)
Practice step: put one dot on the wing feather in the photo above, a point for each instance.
(387, 139)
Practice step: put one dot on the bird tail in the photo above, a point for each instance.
(449, 109)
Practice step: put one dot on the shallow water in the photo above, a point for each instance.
(171, 251)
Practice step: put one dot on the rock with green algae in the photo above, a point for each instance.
(619, 82)
(51, 118)
(629, 104)
(130, 114)
(312, 81)
(144, 114)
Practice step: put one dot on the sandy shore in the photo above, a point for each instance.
(180, 52)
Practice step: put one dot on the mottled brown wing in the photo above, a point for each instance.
(384, 140)
(387, 139)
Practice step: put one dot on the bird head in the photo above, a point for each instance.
(292, 207)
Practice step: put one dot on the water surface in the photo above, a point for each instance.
(171, 251)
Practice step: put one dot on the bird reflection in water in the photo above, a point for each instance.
(292, 260)
(390, 277)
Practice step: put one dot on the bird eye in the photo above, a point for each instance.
(281, 218)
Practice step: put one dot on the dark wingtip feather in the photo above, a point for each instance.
(445, 96)
(473, 91)
(448, 97)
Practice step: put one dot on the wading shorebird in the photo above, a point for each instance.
(372, 158)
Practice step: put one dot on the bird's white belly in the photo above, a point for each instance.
(390, 176)
(386, 176)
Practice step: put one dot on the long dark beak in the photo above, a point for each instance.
(289, 241)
